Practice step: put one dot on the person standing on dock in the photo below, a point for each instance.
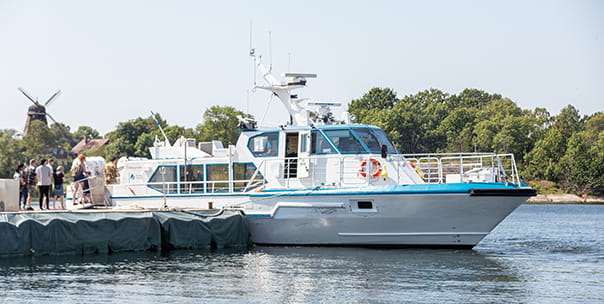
(58, 190)
(31, 179)
(44, 174)
(19, 176)
(78, 171)
(51, 165)
(111, 172)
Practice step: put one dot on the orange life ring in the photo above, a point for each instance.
(376, 165)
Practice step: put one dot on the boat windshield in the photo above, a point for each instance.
(355, 140)
(382, 139)
(345, 141)
(369, 140)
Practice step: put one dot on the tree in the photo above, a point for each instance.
(582, 166)
(86, 131)
(458, 128)
(122, 141)
(376, 100)
(220, 123)
(64, 140)
(11, 153)
(39, 141)
(543, 161)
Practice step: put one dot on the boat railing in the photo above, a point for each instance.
(359, 170)
(181, 187)
(465, 167)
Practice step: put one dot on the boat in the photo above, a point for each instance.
(313, 181)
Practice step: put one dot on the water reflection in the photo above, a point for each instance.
(535, 256)
(320, 274)
(265, 274)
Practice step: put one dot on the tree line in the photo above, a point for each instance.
(563, 152)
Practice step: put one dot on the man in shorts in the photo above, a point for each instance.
(31, 181)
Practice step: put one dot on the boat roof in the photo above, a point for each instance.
(312, 127)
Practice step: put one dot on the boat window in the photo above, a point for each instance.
(218, 178)
(383, 139)
(369, 140)
(191, 179)
(164, 179)
(303, 141)
(263, 145)
(243, 173)
(319, 144)
(345, 141)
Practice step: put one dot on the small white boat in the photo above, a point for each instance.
(317, 183)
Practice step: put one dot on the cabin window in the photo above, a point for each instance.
(191, 178)
(243, 173)
(263, 145)
(369, 140)
(164, 179)
(319, 144)
(218, 178)
(345, 141)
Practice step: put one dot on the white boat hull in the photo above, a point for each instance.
(458, 220)
(454, 215)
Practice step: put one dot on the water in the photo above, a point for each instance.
(540, 254)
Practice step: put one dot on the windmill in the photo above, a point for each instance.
(37, 111)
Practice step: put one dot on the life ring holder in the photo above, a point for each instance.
(377, 171)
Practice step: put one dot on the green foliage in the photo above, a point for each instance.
(11, 153)
(124, 140)
(582, 167)
(220, 123)
(39, 140)
(473, 120)
(85, 131)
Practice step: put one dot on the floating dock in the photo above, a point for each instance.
(95, 231)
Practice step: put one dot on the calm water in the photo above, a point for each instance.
(540, 254)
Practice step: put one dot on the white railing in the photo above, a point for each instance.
(466, 167)
(432, 168)
(345, 170)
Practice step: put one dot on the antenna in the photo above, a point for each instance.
(160, 128)
(270, 52)
(253, 55)
(289, 61)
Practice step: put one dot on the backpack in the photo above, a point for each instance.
(29, 176)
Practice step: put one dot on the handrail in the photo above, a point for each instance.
(344, 170)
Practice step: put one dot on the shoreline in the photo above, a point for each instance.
(565, 199)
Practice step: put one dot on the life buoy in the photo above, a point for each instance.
(377, 168)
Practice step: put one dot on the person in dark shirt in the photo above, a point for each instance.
(58, 189)
(31, 180)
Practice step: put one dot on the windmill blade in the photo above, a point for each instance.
(53, 97)
(28, 96)
(53, 120)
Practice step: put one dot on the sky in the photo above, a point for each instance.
(118, 60)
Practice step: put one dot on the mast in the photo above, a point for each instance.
(292, 103)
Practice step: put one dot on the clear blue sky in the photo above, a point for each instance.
(118, 60)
